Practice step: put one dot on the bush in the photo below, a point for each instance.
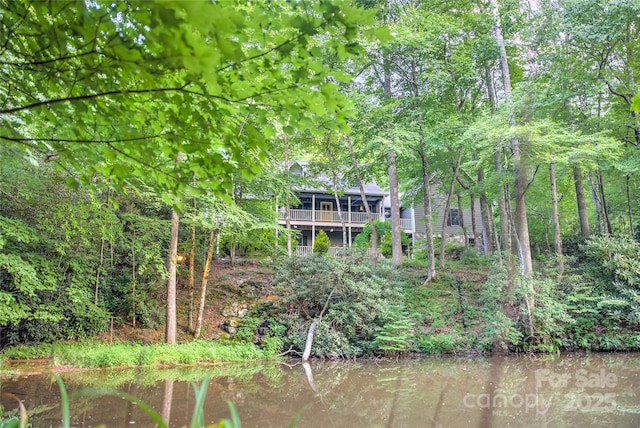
(321, 243)
(358, 297)
(436, 344)
(395, 333)
(613, 264)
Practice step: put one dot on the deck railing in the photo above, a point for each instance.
(359, 218)
(305, 251)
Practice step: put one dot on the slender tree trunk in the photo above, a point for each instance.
(426, 185)
(629, 211)
(213, 235)
(374, 233)
(343, 223)
(447, 208)
(596, 203)
(287, 212)
(581, 201)
(505, 232)
(101, 259)
(487, 230)
(603, 203)
(518, 166)
(172, 322)
(133, 278)
(557, 237)
(396, 237)
(192, 257)
(428, 212)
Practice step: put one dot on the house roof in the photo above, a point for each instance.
(320, 182)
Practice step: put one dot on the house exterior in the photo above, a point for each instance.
(317, 209)
(459, 222)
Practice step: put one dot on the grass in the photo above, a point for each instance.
(124, 354)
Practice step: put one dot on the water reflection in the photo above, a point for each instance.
(567, 391)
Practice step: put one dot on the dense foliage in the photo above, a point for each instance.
(70, 260)
(122, 120)
(353, 298)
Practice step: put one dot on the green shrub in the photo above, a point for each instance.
(357, 296)
(395, 333)
(435, 344)
(321, 243)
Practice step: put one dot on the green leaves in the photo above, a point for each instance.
(121, 88)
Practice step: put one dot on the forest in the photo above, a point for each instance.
(140, 140)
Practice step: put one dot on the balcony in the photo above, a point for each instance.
(310, 216)
(306, 251)
(332, 218)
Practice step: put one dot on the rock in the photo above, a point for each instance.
(231, 325)
(235, 310)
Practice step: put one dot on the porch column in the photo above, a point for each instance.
(349, 216)
(350, 240)
(313, 220)
(313, 208)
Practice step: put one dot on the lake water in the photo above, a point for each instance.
(544, 391)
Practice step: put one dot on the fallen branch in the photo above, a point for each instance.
(312, 329)
(289, 351)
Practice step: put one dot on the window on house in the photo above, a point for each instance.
(296, 170)
(454, 217)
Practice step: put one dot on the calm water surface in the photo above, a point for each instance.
(566, 391)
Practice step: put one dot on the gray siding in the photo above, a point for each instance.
(437, 207)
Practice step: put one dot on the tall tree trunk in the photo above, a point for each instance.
(426, 185)
(374, 233)
(172, 321)
(396, 231)
(518, 166)
(192, 261)
(596, 203)
(343, 223)
(287, 212)
(428, 212)
(487, 230)
(557, 237)
(396, 237)
(447, 208)
(213, 235)
(101, 258)
(581, 201)
(133, 277)
(629, 211)
(505, 232)
(603, 203)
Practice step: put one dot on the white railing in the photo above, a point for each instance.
(301, 251)
(300, 215)
(305, 251)
(328, 216)
(334, 217)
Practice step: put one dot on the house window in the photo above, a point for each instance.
(296, 170)
(454, 217)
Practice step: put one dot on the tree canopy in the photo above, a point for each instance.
(124, 89)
